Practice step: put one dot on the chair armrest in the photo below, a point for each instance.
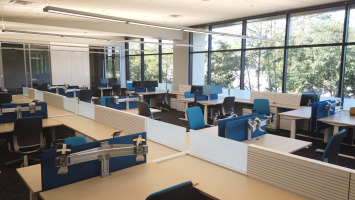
(158, 118)
(319, 151)
(116, 134)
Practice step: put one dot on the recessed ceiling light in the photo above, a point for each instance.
(175, 16)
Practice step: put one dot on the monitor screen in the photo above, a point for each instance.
(137, 84)
(196, 88)
(103, 80)
(112, 80)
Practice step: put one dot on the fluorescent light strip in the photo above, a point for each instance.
(65, 11)
(90, 38)
(155, 26)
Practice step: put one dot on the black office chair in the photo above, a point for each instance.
(73, 87)
(85, 95)
(144, 110)
(5, 98)
(123, 91)
(163, 104)
(96, 92)
(27, 138)
(331, 151)
(116, 90)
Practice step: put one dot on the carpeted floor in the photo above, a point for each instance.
(13, 188)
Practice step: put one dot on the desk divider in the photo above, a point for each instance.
(25, 91)
(287, 99)
(39, 95)
(31, 93)
(71, 104)
(352, 186)
(54, 99)
(228, 153)
(86, 170)
(303, 176)
(87, 109)
(125, 121)
(167, 134)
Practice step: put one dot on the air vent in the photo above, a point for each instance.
(20, 2)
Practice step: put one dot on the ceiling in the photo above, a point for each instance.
(190, 12)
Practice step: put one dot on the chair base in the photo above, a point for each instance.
(24, 161)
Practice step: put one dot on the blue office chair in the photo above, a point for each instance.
(75, 140)
(331, 151)
(262, 107)
(195, 117)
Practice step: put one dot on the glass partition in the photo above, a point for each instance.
(241, 94)
(222, 151)
(25, 91)
(167, 134)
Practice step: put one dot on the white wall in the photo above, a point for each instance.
(70, 65)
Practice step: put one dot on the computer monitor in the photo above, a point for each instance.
(137, 84)
(196, 88)
(309, 97)
(103, 80)
(112, 80)
(152, 84)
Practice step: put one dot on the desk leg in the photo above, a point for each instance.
(186, 105)
(102, 93)
(53, 133)
(328, 134)
(127, 105)
(293, 129)
(205, 114)
(336, 129)
(33, 196)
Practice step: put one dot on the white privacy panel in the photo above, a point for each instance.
(39, 95)
(219, 150)
(25, 91)
(31, 93)
(54, 99)
(241, 94)
(167, 134)
(87, 110)
(71, 104)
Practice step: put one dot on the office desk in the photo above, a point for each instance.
(340, 118)
(88, 127)
(46, 123)
(293, 115)
(151, 93)
(205, 104)
(104, 88)
(270, 141)
(19, 96)
(31, 175)
(223, 183)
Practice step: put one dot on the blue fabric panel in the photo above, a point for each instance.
(189, 95)
(151, 89)
(111, 104)
(86, 170)
(262, 106)
(195, 117)
(133, 104)
(130, 87)
(8, 117)
(222, 123)
(238, 129)
(101, 85)
(216, 89)
(322, 112)
(213, 96)
(139, 90)
(75, 141)
(41, 113)
(170, 188)
(103, 100)
(52, 90)
(104, 81)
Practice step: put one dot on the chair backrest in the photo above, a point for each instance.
(195, 117)
(331, 151)
(75, 140)
(129, 87)
(188, 94)
(228, 105)
(262, 106)
(28, 133)
(116, 89)
(5, 98)
(143, 109)
(85, 95)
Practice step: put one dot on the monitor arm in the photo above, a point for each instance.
(256, 124)
(18, 109)
(116, 99)
(102, 154)
(332, 105)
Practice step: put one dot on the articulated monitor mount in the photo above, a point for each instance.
(117, 100)
(230, 115)
(102, 153)
(332, 105)
(18, 109)
(257, 124)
